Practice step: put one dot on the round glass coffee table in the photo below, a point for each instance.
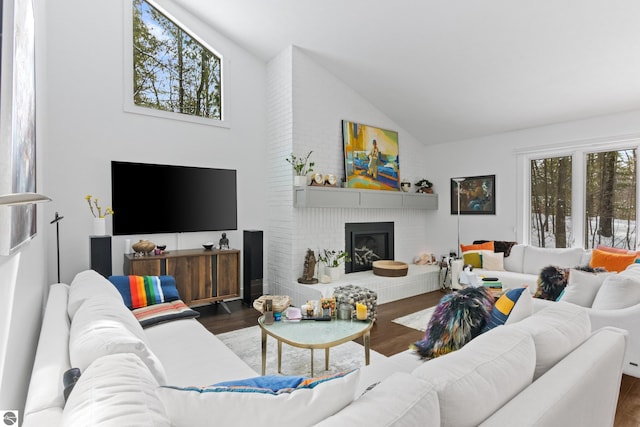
(313, 334)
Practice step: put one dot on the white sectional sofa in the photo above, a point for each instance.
(546, 370)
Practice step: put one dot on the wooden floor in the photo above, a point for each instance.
(389, 338)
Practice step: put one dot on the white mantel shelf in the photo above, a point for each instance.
(333, 197)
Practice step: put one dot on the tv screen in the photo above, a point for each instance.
(150, 198)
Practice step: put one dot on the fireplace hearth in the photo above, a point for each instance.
(367, 242)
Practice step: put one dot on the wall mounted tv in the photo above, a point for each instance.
(150, 198)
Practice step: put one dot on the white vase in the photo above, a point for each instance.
(99, 227)
(299, 181)
(333, 272)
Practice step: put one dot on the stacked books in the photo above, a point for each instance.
(491, 283)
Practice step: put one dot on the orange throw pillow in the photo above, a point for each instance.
(488, 246)
(611, 261)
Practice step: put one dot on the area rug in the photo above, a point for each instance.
(295, 361)
(417, 320)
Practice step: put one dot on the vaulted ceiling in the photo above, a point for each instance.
(452, 70)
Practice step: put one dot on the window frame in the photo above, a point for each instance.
(130, 106)
(578, 151)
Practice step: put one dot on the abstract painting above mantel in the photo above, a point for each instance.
(477, 195)
(371, 157)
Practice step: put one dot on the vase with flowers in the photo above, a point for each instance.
(332, 260)
(301, 167)
(99, 223)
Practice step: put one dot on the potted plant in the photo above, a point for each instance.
(332, 260)
(424, 186)
(300, 168)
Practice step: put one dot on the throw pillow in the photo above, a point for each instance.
(307, 404)
(505, 305)
(482, 246)
(613, 250)
(503, 246)
(492, 260)
(551, 282)
(165, 312)
(457, 319)
(116, 390)
(611, 261)
(472, 258)
(141, 291)
(582, 287)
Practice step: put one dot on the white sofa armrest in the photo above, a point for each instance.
(580, 390)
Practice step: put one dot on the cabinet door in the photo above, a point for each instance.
(146, 267)
(228, 283)
(193, 276)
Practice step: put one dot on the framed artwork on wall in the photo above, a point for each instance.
(477, 195)
(17, 122)
(371, 157)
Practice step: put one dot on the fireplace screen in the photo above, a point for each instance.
(366, 243)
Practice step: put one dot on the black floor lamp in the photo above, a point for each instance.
(458, 181)
(56, 221)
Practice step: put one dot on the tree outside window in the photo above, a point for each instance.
(171, 70)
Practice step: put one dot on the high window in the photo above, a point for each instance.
(172, 70)
(583, 198)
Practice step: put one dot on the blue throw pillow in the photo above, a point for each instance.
(142, 291)
(503, 307)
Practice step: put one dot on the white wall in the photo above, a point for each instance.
(88, 128)
(496, 154)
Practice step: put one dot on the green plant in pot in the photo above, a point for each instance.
(424, 186)
(332, 260)
(301, 167)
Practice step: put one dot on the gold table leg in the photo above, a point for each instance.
(312, 362)
(264, 352)
(326, 358)
(367, 344)
(279, 356)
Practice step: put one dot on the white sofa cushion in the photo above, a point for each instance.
(582, 287)
(100, 328)
(556, 331)
(195, 407)
(89, 284)
(116, 390)
(535, 259)
(515, 260)
(485, 374)
(400, 400)
(619, 290)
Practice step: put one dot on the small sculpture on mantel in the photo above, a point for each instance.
(309, 269)
(224, 242)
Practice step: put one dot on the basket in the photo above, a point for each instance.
(280, 302)
(390, 268)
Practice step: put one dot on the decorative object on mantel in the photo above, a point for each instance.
(424, 186)
(425, 258)
(389, 268)
(371, 157)
(300, 168)
(317, 179)
(405, 185)
(332, 260)
(99, 223)
(330, 180)
(143, 247)
(309, 269)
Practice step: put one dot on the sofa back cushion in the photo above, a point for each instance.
(537, 258)
(485, 374)
(101, 327)
(88, 284)
(619, 290)
(515, 260)
(116, 390)
(556, 330)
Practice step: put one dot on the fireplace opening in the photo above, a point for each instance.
(367, 242)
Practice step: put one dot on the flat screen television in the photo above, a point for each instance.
(151, 198)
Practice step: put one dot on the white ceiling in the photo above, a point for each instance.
(451, 70)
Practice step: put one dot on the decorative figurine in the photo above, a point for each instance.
(309, 269)
(224, 242)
